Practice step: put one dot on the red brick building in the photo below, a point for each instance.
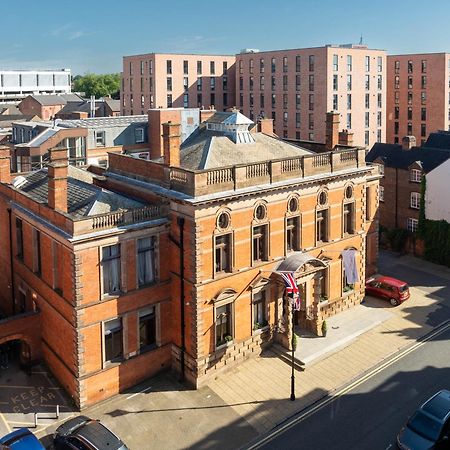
(183, 276)
(166, 80)
(403, 166)
(417, 95)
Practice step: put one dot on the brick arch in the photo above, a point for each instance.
(16, 337)
(25, 328)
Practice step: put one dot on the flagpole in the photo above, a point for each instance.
(292, 356)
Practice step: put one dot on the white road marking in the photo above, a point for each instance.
(140, 392)
(350, 387)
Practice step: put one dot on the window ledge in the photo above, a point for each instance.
(147, 349)
(149, 284)
(111, 364)
(223, 274)
(347, 293)
(224, 346)
(262, 330)
(112, 296)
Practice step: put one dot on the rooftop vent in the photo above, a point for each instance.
(19, 181)
(250, 50)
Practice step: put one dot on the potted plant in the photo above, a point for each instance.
(228, 338)
(324, 328)
(294, 341)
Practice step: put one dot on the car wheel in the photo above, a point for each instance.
(393, 302)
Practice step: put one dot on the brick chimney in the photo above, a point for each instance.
(346, 138)
(171, 143)
(332, 130)
(408, 142)
(205, 114)
(57, 179)
(266, 126)
(5, 165)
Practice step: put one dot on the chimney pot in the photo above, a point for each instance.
(5, 165)
(346, 138)
(171, 143)
(332, 130)
(408, 142)
(266, 126)
(58, 169)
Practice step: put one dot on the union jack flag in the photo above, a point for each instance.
(292, 288)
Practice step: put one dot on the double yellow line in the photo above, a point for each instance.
(327, 401)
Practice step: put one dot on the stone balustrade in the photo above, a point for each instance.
(201, 182)
(119, 218)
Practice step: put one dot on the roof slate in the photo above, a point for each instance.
(212, 149)
(84, 198)
(61, 99)
(428, 157)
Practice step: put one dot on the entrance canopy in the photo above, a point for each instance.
(299, 260)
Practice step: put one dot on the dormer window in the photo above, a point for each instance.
(415, 175)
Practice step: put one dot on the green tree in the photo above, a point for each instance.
(97, 85)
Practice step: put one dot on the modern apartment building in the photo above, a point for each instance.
(297, 87)
(166, 80)
(418, 101)
(17, 84)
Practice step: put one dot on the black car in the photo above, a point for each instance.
(83, 433)
(429, 426)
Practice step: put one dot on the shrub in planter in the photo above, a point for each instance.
(294, 341)
(324, 328)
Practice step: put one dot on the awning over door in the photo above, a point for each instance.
(297, 260)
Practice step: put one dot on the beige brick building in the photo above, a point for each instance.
(170, 80)
(297, 87)
(417, 95)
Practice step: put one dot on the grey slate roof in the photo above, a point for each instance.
(113, 104)
(103, 122)
(61, 99)
(229, 117)
(428, 157)
(211, 149)
(84, 198)
(440, 139)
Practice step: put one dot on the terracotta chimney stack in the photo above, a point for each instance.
(332, 130)
(408, 142)
(205, 114)
(346, 138)
(266, 126)
(5, 165)
(171, 142)
(58, 169)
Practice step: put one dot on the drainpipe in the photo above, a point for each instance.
(396, 197)
(180, 222)
(11, 261)
(180, 245)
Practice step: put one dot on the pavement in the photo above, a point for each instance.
(253, 397)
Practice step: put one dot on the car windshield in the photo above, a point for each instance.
(403, 288)
(425, 426)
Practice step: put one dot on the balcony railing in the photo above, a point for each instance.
(203, 182)
(119, 218)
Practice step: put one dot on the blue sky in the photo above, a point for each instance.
(93, 36)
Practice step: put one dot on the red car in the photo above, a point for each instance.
(388, 288)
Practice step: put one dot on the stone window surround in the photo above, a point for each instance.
(262, 286)
(106, 364)
(228, 300)
(157, 307)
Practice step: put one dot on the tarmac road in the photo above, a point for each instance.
(370, 415)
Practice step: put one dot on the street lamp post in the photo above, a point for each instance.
(292, 355)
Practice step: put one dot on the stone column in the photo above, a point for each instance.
(316, 311)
